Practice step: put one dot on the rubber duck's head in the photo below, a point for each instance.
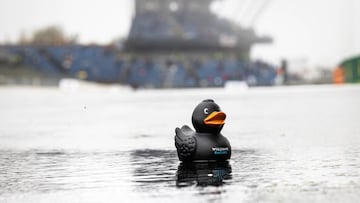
(208, 118)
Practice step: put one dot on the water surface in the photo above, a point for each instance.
(292, 144)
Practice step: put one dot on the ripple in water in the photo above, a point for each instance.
(252, 175)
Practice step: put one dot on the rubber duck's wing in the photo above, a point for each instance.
(187, 130)
(185, 144)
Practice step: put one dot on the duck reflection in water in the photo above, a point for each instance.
(203, 173)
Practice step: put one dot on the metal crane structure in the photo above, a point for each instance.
(251, 11)
(188, 25)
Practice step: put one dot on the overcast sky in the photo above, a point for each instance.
(310, 32)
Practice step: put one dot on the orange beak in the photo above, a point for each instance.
(215, 119)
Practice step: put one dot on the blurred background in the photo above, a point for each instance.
(180, 43)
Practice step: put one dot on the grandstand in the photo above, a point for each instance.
(171, 44)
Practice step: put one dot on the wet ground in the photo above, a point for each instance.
(290, 144)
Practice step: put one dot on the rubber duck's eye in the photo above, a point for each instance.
(206, 111)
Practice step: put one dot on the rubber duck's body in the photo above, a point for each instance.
(207, 143)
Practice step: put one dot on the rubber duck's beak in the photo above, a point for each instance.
(215, 119)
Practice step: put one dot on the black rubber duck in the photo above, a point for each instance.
(207, 143)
